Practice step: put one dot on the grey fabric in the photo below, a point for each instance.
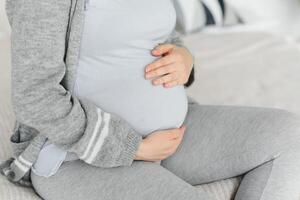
(142, 180)
(44, 53)
(263, 144)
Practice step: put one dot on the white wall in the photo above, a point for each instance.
(4, 26)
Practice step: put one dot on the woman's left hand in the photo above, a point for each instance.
(173, 68)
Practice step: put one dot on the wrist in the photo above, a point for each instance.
(141, 151)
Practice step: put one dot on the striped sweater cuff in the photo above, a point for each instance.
(131, 147)
(108, 140)
(16, 168)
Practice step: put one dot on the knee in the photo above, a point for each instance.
(287, 124)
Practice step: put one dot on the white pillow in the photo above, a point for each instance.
(266, 10)
(194, 15)
(215, 9)
(190, 15)
(278, 16)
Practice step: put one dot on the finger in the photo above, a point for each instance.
(179, 139)
(171, 84)
(183, 127)
(182, 131)
(161, 62)
(161, 71)
(162, 49)
(173, 134)
(178, 133)
(167, 78)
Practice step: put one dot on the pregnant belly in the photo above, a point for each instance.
(125, 92)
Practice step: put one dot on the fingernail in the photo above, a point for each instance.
(156, 82)
(155, 51)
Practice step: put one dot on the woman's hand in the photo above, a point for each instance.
(174, 67)
(160, 144)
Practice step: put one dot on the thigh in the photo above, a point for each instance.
(77, 180)
(226, 141)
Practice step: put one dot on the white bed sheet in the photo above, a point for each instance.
(246, 68)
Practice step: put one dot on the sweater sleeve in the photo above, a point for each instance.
(39, 100)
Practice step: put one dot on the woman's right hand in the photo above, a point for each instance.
(160, 144)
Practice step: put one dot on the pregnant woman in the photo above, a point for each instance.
(101, 111)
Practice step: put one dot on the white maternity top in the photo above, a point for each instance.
(116, 45)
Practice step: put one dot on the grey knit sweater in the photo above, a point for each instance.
(45, 41)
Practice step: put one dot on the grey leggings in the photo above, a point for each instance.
(220, 142)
